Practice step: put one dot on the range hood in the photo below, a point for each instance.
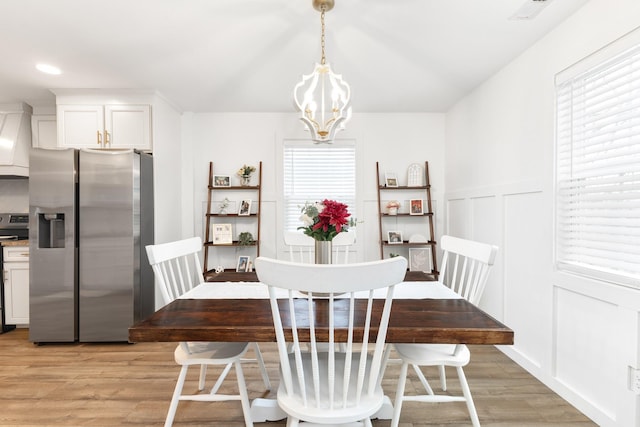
(15, 140)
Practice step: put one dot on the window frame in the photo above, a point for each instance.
(289, 212)
(605, 59)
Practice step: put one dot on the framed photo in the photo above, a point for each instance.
(415, 207)
(390, 179)
(243, 264)
(420, 259)
(414, 175)
(245, 208)
(394, 237)
(221, 181)
(222, 234)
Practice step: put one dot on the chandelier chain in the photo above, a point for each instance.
(322, 61)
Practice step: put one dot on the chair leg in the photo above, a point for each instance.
(443, 378)
(244, 395)
(384, 363)
(176, 396)
(469, 400)
(399, 395)
(263, 368)
(203, 377)
(292, 422)
(423, 379)
(221, 379)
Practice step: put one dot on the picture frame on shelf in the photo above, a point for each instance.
(243, 264)
(394, 237)
(245, 208)
(222, 234)
(221, 181)
(414, 175)
(416, 207)
(390, 179)
(420, 259)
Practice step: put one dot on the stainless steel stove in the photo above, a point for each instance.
(13, 226)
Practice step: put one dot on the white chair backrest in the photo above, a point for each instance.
(330, 304)
(301, 247)
(176, 266)
(466, 265)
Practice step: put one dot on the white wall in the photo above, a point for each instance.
(578, 336)
(233, 139)
(168, 152)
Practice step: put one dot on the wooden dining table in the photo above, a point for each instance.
(422, 312)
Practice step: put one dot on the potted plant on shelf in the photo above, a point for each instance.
(245, 239)
(245, 174)
(392, 207)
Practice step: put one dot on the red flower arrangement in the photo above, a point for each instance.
(324, 220)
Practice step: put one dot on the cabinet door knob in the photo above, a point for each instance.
(99, 138)
(107, 138)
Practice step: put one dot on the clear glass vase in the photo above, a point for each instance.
(245, 181)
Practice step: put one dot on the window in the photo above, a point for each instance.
(598, 168)
(314, 172)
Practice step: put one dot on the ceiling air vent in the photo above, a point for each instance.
(530, 9)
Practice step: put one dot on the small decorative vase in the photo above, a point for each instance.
(393, 211)
(245, 180)
(323, 251)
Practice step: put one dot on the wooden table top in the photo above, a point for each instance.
(412, 321)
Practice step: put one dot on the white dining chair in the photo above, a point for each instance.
(177, 268)
(301, 248)
(465, 268)
(330, 387)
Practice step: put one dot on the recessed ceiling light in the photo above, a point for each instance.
(48, 69)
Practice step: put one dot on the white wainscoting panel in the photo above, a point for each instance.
(486, 220)
(586, 326)
(527, 291)
(458, 217)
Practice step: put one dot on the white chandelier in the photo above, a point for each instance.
(323, 97)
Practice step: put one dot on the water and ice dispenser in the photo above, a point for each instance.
(51, 230)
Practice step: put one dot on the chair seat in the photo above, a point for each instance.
(210, 353)
(322, 412)
(434, 354)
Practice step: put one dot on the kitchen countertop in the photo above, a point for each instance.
(14, 243)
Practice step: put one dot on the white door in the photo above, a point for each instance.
(16, 287)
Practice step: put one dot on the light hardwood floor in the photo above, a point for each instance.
(131, 385)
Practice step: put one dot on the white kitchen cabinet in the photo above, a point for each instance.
(104, 126)
(44, 132)
(16, 285)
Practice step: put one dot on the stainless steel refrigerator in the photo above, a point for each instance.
(90, 218)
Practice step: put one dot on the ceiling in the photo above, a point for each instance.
(247, 55)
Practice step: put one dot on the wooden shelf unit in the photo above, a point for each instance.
(427, 214)
(256, 190)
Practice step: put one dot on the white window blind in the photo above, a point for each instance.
(598, 170)
(313, 173)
